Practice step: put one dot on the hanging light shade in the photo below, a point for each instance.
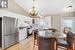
(33, 11)
(3, 4)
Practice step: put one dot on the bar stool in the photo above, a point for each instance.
(65, 45)
(35, 37)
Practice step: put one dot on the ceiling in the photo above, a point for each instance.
(47, 7)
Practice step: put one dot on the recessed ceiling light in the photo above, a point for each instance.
(68, 9)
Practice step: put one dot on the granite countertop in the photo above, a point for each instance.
(22, 27)
(46, 34)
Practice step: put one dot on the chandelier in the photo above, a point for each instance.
(33, 11)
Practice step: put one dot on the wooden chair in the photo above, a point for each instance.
(73, 44)
(63, 43)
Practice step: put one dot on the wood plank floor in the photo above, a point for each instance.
(24, 45)
(0, 48)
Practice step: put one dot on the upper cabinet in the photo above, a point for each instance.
(44, 22)
(24, 21)
(48, 21)
(3, 3)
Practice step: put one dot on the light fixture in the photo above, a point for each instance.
(69, 8)
(3, 4)
(33, 11)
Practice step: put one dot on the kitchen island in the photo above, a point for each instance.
(47, 39)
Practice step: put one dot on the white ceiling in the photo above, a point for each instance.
(47, 7)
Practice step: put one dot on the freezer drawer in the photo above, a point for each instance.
(9, 40)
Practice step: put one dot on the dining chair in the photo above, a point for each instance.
(62, 44)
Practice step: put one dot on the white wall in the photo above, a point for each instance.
(56, 20)
(14, 7)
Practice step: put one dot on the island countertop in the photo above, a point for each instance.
(47, 33)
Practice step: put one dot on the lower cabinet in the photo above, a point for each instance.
(22, 34)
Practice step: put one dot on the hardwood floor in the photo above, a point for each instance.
(24, 45)
(0, 48)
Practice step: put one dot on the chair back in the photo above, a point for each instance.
(73, 42)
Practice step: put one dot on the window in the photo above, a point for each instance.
(68, 23)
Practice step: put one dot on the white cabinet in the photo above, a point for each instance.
(44, 22)
(24, 22)
(22, 34)
(47, 21)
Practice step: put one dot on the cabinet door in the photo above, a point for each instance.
(44, 22)
(47, 22)
(22, 34)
